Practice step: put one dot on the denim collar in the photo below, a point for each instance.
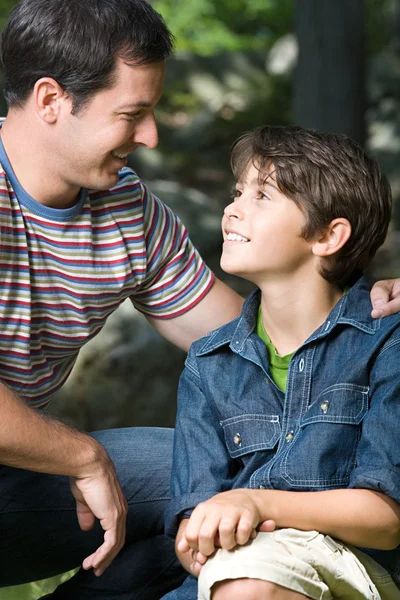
(353, 309)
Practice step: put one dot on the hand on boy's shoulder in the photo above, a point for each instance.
(385, 298)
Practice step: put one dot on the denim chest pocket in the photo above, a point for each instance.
(322, 452)
(251, 433)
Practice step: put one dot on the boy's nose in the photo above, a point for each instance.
(232, 211)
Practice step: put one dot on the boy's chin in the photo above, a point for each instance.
(231, 270)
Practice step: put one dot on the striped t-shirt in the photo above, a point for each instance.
(64, 271)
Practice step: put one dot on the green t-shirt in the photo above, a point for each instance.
(279, 364)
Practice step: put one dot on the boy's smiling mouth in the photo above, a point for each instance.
(235, 237)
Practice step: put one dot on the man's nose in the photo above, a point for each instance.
(146, 133)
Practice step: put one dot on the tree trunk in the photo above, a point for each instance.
(329, 90)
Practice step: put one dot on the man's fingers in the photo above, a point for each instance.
(384, 309)
(104, 555)
(85, 516)
(385, 298)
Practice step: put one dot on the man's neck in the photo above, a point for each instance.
(292, 309)
(30, 159)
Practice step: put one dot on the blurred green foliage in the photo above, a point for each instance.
(206, 27)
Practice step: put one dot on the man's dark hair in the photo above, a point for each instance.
(328, 176)
(77, 42)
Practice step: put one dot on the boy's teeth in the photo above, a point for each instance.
(235, 237)
(118, 154)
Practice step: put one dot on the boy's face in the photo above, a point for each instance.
(92, 146)
(261, 231)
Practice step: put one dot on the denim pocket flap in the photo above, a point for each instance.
(249, 433)
(340, 403)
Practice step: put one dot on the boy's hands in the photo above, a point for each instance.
(225, 520)
(385, 298)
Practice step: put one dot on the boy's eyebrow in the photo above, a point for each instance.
(267, 181)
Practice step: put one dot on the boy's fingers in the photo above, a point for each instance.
(226, 529)
(244, 530)
(183, 545)
(267, 526)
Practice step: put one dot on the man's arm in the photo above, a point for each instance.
(385, 298)
(219, 306)
(29, 440)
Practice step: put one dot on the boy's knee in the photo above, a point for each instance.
(251, 589)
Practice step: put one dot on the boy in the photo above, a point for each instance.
(288, 415)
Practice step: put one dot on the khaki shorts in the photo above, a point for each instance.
(307, 562)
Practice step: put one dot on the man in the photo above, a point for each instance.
(82, 79)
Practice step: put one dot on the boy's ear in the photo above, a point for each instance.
(333, 238)
(49, 98)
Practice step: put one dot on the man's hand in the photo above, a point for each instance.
(225, 520)
(100, 496)
(385, 298)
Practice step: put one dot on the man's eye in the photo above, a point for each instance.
(133, 116)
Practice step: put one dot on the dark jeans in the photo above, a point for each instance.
(40, 535)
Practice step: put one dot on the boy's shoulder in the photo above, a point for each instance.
(215, 338)
(238, 329)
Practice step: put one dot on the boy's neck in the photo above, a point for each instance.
(293, 309)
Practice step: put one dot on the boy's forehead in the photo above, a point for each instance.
(255, 174)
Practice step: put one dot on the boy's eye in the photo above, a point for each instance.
(262, 196)
(235, 193)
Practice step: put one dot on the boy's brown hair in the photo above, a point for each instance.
(328, 176)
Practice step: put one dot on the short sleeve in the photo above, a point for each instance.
(176, 276)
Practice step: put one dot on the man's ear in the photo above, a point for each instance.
(49, 97)
(333, 238)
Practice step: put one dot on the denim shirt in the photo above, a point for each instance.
(337, 425)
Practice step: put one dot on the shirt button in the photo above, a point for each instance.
(261, 487)
(324, 406)
(289, 436)
(237, 440)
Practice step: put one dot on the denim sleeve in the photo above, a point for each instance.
(200, 461)
(378, 453)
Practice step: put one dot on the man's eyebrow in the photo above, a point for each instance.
(135, 105)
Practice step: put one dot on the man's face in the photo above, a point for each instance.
(262, 231)
(92, 145)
